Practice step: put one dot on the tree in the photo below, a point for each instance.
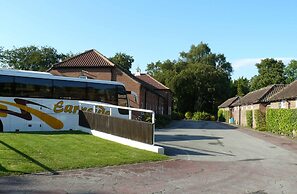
(270, 71)
(122, 60)
(31, 57)
(240, 87)
(200, 79)
(291, 71)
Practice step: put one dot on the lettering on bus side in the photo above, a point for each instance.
(59, 107)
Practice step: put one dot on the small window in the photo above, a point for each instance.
(33, 87)
(69, 90)
(283, 104)
(6, 85)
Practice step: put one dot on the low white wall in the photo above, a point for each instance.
(124, 141)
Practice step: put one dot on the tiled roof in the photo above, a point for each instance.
(261, 95)
(289, 92)
(229, 102)
(90, 58)
(151, 81)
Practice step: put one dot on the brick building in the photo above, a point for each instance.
(91, 64)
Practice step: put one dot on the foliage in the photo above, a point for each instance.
(224, 115)
(270, 71)
(188, 115)
(162, 121)
(291, 71)
(200, 79)
(177, 115)
(122, 60)
(32, 57)
(260, 119)
(240, 87)
(53, 151)
(203, 116)
(249, 118)
(281, 121)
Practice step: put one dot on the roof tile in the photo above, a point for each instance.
(90, 58)
(150, 80)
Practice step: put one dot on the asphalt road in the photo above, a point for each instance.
(208, 157)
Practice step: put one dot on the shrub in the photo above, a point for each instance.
(203, 116)
(249, 118)
(281, 121)
(162, 120)
(212, 118)
(260, 119)
(223, 115)
(188, 115)
(177, 115)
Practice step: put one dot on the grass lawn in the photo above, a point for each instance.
(36, 152)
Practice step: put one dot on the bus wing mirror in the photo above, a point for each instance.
(134, 95)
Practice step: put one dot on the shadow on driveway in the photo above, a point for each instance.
(164, 138)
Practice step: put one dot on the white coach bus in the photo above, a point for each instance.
(38, 101)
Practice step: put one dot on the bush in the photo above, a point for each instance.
(188, 115)
(249, 118)
(203, 116)
(177, 115)
(281, 121)
(223, 115)
(260, 119)
(162, 120)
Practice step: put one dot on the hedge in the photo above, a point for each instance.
(260, 119)
(249, 118)
(203, 116)
(281, 121)
(223, 115)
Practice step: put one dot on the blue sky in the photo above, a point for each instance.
(244, 31)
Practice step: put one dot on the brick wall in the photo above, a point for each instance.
(146, 98)
(100, 73)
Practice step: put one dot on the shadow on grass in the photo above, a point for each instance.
(46, 168)
(3, 171)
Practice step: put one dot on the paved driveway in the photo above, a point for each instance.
(209, 157)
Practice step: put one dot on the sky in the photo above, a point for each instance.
(151, 30)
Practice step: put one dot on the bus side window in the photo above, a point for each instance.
(33, 87)
(6, 85)
(69, 90)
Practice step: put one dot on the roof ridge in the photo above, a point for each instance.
(156, 81)
(72, 57)
(104, 57)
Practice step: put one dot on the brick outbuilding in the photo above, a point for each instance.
(93, 65)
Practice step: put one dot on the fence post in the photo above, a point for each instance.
(153, 130)
(94, 109)
(130, 114)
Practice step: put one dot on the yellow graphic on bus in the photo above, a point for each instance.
(51, 121)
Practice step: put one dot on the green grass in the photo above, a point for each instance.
(22, 153)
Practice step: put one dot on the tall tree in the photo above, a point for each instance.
(122, 60)
(291, 71)
(200, 79)
(270, 71)
(240, 87)
(31, 57)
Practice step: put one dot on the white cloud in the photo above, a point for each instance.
(237, 64)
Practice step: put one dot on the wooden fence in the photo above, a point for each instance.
(130, 129)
